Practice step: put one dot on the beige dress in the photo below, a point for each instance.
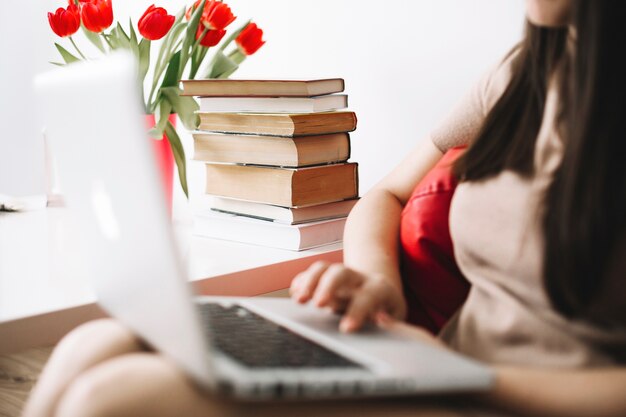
(496, 230)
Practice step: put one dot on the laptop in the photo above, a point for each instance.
(249, 348)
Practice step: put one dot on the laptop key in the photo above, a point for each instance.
(257, 342)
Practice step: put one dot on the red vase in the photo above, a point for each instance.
(164, 158)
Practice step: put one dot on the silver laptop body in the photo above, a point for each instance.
(94, 122)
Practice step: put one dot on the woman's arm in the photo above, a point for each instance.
(561, 393)
(369, 280)
(536, 392)
(371, 234)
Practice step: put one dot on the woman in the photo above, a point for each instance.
(539, 229)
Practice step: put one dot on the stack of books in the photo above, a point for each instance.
(276, 156)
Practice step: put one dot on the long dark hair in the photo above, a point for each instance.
(584, 223)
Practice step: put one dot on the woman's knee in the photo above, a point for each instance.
(130, 385)
(84, 397)
(93, 393)
(102, 334)
(101, 329)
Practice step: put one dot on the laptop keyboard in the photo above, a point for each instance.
(259, 343)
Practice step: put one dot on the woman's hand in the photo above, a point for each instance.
(359, 297)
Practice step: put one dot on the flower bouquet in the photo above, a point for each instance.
(185, 41)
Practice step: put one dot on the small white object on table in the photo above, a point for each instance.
(44, 287)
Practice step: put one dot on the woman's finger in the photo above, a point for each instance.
(304, 284)
(365, 304)
(339, 305)
(334, 283)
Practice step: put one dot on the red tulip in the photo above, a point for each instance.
(212, 37)
(192, 9)
(155, 23)
(215, 17)
(216, 14)
(250, 39)
(97, 14)
(65, 22)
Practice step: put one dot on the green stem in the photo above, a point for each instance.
(77, 50)
(149, 105)
(195, 62)
(158, 72)
(237, 56)
(233, 36)
(194, 65)
(197, 42)
(165, 57)
(199, 59)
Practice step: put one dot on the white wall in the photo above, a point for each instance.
(23, 46)
(405, 62)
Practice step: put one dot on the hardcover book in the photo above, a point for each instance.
(272, 150)
(274, 104)
(287, 187)
(261, 88)
(265, 233)
(277, 124)
(285, 215)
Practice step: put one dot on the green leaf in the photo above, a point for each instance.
(179, 155)
(144, 58)
(221, 66)
(171, 37)
(67, 56)
(171, 40)
(171, 74)
(112, 39)
(237, 56)
(161, 115)
(190, 37)
(185, 106)
(134, 42)
(58, 64)
(120, 30)
(119, 38)
(94, 38)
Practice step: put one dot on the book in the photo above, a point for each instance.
(264, 233)
(274, 104)
(287, 187)
(277, 124)
(285, 215)
(261, 88)
(271, 150)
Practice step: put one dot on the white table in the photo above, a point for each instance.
(44, 289)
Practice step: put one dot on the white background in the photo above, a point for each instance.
(405, 63)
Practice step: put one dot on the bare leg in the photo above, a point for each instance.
(147, 384)
(84, 347)
(139, 384)
(99, 370)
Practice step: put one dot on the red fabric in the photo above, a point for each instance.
(433, 284)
